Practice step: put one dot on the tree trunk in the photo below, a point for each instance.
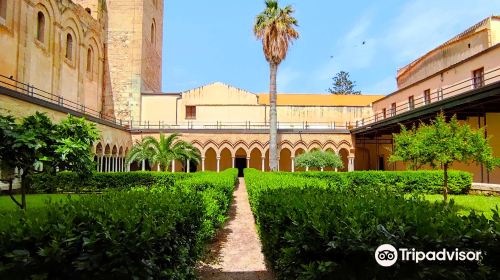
(24, 185)
(143, 165)
(445, 190)
(12, 196)
(273, 120)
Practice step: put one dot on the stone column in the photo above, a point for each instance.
(307, 168)
(202, 163)
(143, 165)
(336, 169)
(233, 159)
(101, 164)
(322, 169)
(263, 164)
(188, 165)
(218, 164)
(108, 163)
(97, 164)
(173, 165)
(293, 164)
(278, 163)
(350, 165)
(248, 162)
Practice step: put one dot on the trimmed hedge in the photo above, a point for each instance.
(329, 231)
(70, 182)
(140, 233)
(429, 182)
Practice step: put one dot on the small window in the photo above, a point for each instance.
(3, 10)
(393, 109)
(384, 113)
(40, 28)
(478, 78)
(411, 103)
(89, 60)
(153, 33)
(69, 46)
(427, 96)
(191, 112)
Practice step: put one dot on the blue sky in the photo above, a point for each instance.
(209, 41)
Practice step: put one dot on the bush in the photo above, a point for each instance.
(429, 182)
(141, 233)
(332, 232)
(71, 182)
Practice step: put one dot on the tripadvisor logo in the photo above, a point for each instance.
(387, 255)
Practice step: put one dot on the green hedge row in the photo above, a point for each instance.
(429, 182)
(311, 229)
(71, 182)
(140, 233)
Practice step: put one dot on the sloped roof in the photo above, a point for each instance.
(478, 27)
(320, 99)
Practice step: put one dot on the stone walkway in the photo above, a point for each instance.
(236, 252)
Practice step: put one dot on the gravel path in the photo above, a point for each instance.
(236, 252)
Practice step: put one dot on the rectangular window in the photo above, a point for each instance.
(3, 11)
(427, 96)
(478, 78)
(411, 103)
(384, 113)
(190, 112)
(393, 109)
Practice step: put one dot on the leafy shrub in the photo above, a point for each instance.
(70, 182)
(332, 232)
(114, 235)
(152, 232)
(319, 159)
(429, 182)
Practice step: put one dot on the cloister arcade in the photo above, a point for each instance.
(110, 158)
(219, 156)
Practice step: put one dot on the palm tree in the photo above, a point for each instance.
(163, 151)
(140, 152)
(275, 27)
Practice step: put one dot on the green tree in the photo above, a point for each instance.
(319, 159)
(37, 145)
(342, 84)
(275, 28)
(163, 151)
(442, 143)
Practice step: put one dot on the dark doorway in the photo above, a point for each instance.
(381, 163)
(240, 163)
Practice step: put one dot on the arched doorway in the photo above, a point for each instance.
(285, 163)
(240, 161)
(344, 153)
(256, 159)
(297, 153)
(225, 159)
(210, 160)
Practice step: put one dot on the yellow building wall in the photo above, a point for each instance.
(219, 102)
(156, 108)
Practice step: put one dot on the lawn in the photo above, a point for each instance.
(33, 201)
(465, 203)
